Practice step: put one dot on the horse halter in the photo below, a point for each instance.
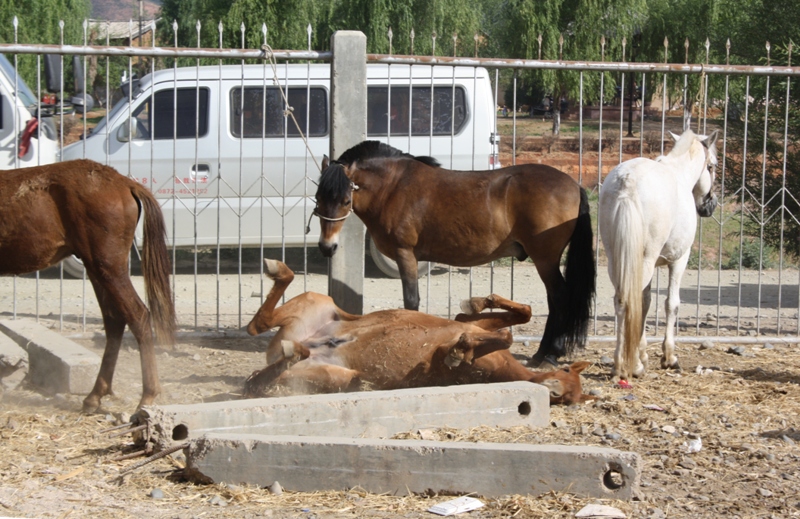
(314, 213)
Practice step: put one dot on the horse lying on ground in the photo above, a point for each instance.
(647, 218)
(416, 210)
(84, 208)
(320, 348)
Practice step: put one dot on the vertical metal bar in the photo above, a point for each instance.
(196, 160)
(783, 193)
(722, 189)
(220, 126)
(580, 128)
(641, 114)
(741, 206)
(240, 191)
(622, 103)
(761, 222)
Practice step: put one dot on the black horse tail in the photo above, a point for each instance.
(581, 277)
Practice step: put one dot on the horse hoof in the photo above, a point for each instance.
(91, 405)
(665, 364)
(288, 349)
(538, 359)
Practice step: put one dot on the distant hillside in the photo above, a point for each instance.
(123, 10)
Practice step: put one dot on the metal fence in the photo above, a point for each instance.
(742, 284)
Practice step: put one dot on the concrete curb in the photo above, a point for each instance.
(309, 464)
(56, 364)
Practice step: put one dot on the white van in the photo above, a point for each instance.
(25, 140)
(230, 169)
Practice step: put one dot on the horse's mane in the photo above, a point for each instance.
(376, 149)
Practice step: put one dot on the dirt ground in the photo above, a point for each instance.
(742, 406)
(740, 400)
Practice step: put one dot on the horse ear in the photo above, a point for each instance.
(325, 162)
(577, 367)
(711, 140)
(674, 136)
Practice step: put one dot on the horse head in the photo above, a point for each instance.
(564, 384)
(705, 200)
(334, 204)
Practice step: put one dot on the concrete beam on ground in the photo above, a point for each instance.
(310, 464)
(56, 363)
(369, 414)
(13, 363)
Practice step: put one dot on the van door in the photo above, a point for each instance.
(172, 148)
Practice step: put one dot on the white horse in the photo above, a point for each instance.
(648, 216)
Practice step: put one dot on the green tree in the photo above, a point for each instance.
(38, 22)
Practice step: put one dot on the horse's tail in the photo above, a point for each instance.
(156, 267)
(628, 260)
(580, 277)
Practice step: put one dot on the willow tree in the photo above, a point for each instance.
(38, 22)
(566, 30)
(429, 19)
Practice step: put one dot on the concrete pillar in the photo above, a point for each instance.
(348, 128)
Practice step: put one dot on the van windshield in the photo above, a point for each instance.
(23, 91)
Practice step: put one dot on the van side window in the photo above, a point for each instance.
(164, 112)
(261, 112)
(420, 110)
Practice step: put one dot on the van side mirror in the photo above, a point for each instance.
(124, 132)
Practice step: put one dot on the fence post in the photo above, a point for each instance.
(348, 128)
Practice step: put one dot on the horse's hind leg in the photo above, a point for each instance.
(516, 313)
(553, 340)
(668, 358)
(121, 305)
(474, 345)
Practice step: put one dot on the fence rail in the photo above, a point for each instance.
(750, 302)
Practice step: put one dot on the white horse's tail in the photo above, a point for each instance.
(628, 254)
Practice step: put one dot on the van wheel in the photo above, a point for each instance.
(73, 267)
(388, 266)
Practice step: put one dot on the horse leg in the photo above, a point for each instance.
(122, 304)
(643, 357)
(474, 345)
(114, 329)
(319, 378)
(553, 341)
(407, 265)
(516, 313)
(281, 276)
(668, 357)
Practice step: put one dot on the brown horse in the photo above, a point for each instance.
(320, 348)
(416, 211)
(84, 208)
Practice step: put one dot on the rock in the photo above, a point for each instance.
(217, 501)
(764, 492)
(157, 493)
(276, 488)
(768, 346)
(688, 463)
(596, 392)
(706, 345)
(584, 429)
(787, 440)
(598, 431)
(613, 436)
(668, 429)
(736, 350)
(605, 360)
(656, 513)
(560, 424)
(196, 357)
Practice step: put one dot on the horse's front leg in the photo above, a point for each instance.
(668, 358)
(407, 265)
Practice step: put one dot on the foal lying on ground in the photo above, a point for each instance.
(320, 348)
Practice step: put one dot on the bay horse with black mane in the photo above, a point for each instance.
(320, 348)
(87, 209)
(415, 211)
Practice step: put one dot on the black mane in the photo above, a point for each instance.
(376, 149)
